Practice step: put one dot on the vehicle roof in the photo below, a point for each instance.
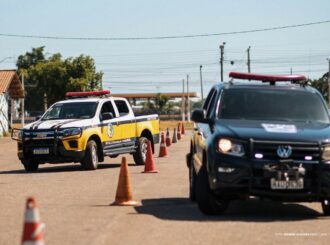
(88, 99)
(261, 85)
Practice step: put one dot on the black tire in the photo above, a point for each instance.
(141, 151)
(192, 180)
(91, 160)
(326, 207)
(208, 203)
(30, 166)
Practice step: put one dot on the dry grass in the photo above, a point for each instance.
(174, 124)
(16, 125)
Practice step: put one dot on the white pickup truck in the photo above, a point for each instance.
(86, 128)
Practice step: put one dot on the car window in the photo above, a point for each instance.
(107, 107)
(208, 98)
(122, 107)
(266, 104)
(74, 110)
(211, 106)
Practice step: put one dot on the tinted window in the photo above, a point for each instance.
(211, 107)
(107, 107)
(77, 110)
(122, 107)
(266, 104)
(208, 98)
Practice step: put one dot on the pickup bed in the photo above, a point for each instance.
(86, 129)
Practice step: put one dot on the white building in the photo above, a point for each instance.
(11, 93)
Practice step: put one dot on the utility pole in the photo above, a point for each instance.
(291, 70)
(222, 48)
(22, 103)
(248, 59)
(200, 73)
(188, 102)
(183, 103)
(329, 83)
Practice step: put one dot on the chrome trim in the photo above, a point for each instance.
(306, 162)
(38, 138)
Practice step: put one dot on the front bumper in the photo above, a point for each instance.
(58, 155)
(253, 178)
(58, 150)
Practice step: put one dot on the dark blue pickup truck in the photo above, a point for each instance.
(267, 137)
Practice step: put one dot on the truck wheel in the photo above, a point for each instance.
(141, 152)
(90, 161)
(30, 166)
(326, 207)
(192, 180)
(208, 203)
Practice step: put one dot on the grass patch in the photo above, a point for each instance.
(174, 124)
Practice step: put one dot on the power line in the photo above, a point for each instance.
(163, 37)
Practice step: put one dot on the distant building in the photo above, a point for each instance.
(11, 93)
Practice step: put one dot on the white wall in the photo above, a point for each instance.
(3, 114)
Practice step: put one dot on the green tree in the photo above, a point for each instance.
(23, 63)
(197, 104)
(54, 76)
(161, 102)
(321, 85)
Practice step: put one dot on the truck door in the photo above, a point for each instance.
(203, 130)
(126, 123)
(111, 135)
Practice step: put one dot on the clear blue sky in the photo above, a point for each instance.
(160, 65)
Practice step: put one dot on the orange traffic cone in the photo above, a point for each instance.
(33, 232)
(174, 138)
(163, 149)
(124, 196)
(179, 131)
(183, 130)
(150, 166)
(168, 138)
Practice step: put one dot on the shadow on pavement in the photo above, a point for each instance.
(61, 168)
(182, 209)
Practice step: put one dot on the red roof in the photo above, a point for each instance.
(10, 82)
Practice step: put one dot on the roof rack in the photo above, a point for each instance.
(272, 79)
(103, 93)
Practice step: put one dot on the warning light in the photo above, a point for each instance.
(87, 94)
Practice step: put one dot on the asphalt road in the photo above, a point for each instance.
(74, 204)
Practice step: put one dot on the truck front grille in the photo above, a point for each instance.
(267, 150)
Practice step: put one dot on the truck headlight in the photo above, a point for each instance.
(326, 153)
(68, 132)
(17, 134)
(227, 146)
(20, 135)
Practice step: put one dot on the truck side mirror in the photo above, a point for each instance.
(107, 116)
(198, 116)
(38, 117)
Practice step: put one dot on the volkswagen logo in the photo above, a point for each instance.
(284, 151)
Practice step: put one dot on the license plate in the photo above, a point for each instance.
(41, 151)
(287, 185)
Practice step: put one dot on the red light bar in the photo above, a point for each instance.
(87, 94)
(267, 78)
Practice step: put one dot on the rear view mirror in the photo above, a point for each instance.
(198, 116)
(107, 116)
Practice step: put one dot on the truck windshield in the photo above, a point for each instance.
(272, 105)
(76, 110)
